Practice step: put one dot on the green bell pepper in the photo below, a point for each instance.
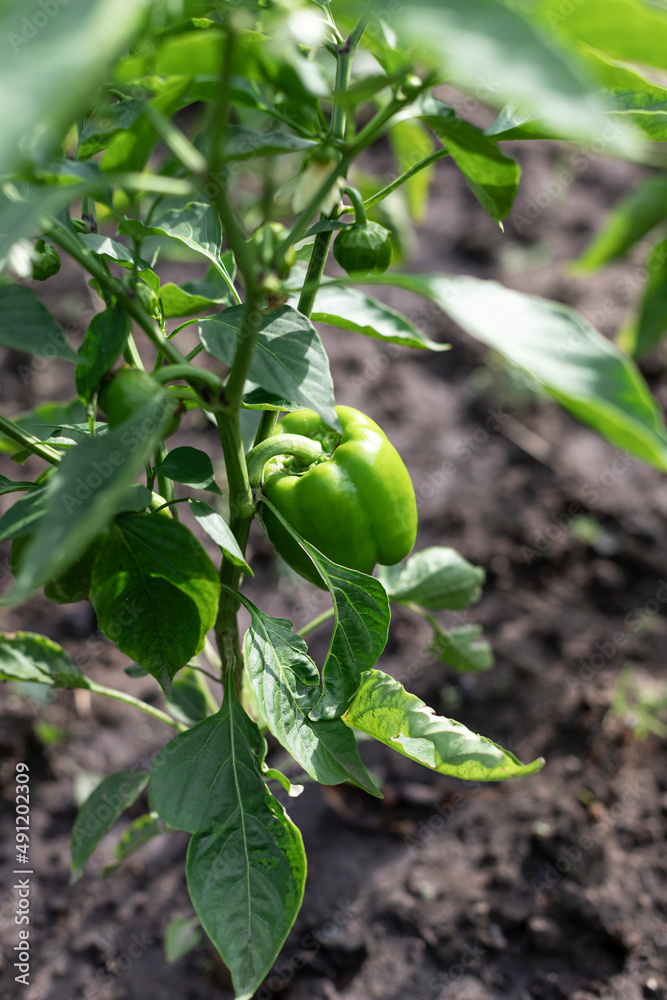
(355, 502)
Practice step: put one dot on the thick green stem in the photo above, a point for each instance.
(29, 441)
(137, 703)
(267, 426)
(282, 444)
(314, 273)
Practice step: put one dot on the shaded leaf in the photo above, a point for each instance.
(100, 812)
(35, 659)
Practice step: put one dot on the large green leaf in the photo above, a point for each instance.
(633, 30)
(246, 864)
(285, 682)
(195, 224)
(361, 626)
(155, 592)
(30, 208)
(632, 97)
(384, 710)
(344, 307)
(100, 812)
(500, 54)
(568, 359)
(289, 359)
(84, 493)
(36, 659)
(27, 325)
(634, 216)
(436, 578)
(493, 177)
(52, 65)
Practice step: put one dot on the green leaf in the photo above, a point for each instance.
(195, 224)
(361, 626)
(27, 325)
(34, 659)
(177, 301)
(130, 148)
(499, 54)
(29, 209)
(23, 516)
(412, 143)
(189, 703)
(190, 467)
(632, 96)
(102, 345)
(625, 29)
(493, 177)
(560, 350)
(50, 73)
(652, 322)
(246, 867)
(349, 309)
(100, 812)
(181, 937)
(139, 832)
(217, 529)
(260, 399)
(289, 359)
(43, 419)
(634, 216)
(12, 486)
(194, 297)
(285, 682)
(155, 593)
(436, 578)
(461, 647)
(84, 493)
(384, 710)
(245, 143)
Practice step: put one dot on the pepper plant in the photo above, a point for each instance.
(235, 129)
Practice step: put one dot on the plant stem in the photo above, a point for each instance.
(405, 176)
(141, 705)
(324, 617)
(357, 204)
(314, 273)
(282, 444)
(267, 426)
(29, 441)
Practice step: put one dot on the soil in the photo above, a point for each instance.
(544, 888)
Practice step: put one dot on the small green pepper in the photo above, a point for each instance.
(363, 249)
(355, 502)
(47, 263)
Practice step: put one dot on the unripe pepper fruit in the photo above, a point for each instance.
(125, 391)
(363, 250)
(356, 503)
